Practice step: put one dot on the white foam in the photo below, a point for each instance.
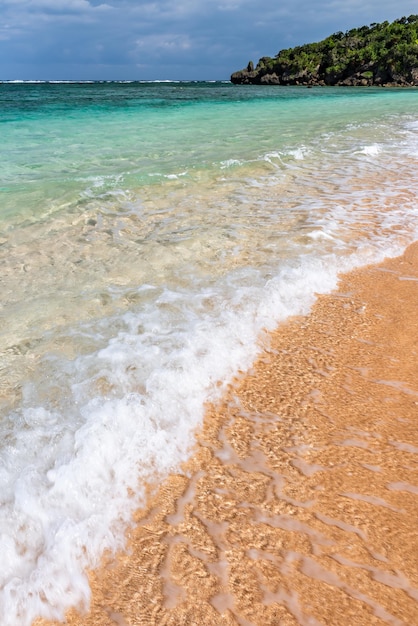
(175, 176)
(66, 479)
(371, 150)
(413, 125)
(320, 234)
(230, 163)
(272, 157)
(299, 153)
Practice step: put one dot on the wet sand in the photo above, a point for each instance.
(300, 504)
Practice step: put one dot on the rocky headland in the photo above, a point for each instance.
(384, 54)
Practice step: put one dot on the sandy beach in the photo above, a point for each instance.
(300, 504)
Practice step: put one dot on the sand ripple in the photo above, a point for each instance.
(300, 504)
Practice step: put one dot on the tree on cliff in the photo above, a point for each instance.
(379, 54)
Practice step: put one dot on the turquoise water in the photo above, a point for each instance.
(149, 234)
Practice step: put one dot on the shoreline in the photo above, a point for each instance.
(299, 506)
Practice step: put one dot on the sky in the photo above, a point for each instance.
(167, 39)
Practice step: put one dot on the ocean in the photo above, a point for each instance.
(151, 234)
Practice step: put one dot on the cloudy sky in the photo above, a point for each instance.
(167, 39)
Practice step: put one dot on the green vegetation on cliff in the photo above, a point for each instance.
(379, 54)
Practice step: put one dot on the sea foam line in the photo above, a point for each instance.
(72, 502)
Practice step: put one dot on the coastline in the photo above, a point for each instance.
(300, 503)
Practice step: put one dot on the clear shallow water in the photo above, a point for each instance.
(149, 234)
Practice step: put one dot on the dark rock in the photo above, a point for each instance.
(270, 79)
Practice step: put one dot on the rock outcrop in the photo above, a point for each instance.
(380, 54)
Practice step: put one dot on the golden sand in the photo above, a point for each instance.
(300, 505)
